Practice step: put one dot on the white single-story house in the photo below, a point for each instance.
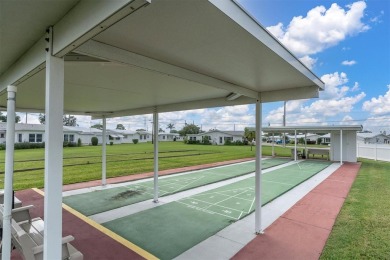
(309, 137)
(73, 133)
(169, 137)
(35, 133)
(326, 139)
(373, 138)
(218, 137)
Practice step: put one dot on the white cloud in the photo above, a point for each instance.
(321, 28)
(377, 124)
(379, 105)
(334, 88)
(228, 118)
(308, 61)
(348, 62)
(333, 102)
(347, 118)
(355, 87)
(334, 107)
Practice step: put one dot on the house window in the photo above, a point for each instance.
(31, 138)
(39, 138)
(163, 137)
(66, 138)
(71, 138)
(2, 135)
(19, 138)
(228, 138)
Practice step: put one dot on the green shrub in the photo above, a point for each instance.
(79, 144)
(193, 142)
(19, 146)
(135, 141)
(228, 142)
(238, 142)
(206, 140)
(94, 141)
(111, 143)
(72, 144)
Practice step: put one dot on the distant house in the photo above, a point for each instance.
(73, 133)
(325, 139)
(169, 137)
(309, 137)
(218, 137)
(35, 133)
(123, 136)
(373, 138)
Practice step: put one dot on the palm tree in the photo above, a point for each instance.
(170, 126)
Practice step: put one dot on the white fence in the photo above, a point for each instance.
(379, 152)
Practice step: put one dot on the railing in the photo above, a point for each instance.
(380, 152)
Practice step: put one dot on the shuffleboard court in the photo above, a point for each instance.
(98, 201)
(169, 230)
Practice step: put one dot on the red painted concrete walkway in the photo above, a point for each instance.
(88, 240)
(301, 233)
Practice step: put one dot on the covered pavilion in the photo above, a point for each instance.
(343, 139)
(130, 57)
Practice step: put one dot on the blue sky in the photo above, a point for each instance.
(345, 43)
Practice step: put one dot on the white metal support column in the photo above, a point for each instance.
(341, 147)
(305, 152)
(155, 150)
(9, 172)
(54, 109)
(273, 145)
(104, 152)
(258, 223)
(295, 146)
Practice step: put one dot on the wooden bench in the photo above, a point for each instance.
(317, 151)
(17, 202)
(28, 234)
(299, 153)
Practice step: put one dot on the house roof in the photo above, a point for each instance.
(370, 135)
(82, 130)
(173, 134)
(123, 132)
(311, 129)
(134, 57)
(235, 133)
(25, 127)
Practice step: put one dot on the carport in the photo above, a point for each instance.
(130, 57)
(343, 139)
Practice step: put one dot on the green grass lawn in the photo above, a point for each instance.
(362, 229)
(84, 163)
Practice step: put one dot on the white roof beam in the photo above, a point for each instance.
(213, 102)
(289, 94)
(107, 52)
(80, 24)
